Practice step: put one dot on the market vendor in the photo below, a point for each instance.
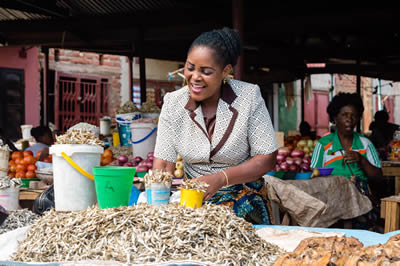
(348, 152)
(44, 138)
(220, 127)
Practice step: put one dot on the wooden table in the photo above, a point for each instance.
(392, 169)
(27, 197)
(390, 211)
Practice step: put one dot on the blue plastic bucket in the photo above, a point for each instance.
(124, 121)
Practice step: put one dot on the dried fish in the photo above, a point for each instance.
(195, 185)
(144, 234)
(79, 136)
(6, 182)
(149, 107)
(17, 219)
(158, 177)
(128, 107)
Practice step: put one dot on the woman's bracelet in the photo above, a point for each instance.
(226, 177)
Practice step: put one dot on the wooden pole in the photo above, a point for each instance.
(142, 68)
(302, 99)
(130, 62)
(237, 17)
(358, 91)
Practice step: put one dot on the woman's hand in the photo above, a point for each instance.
(352, 157)
(216, 182)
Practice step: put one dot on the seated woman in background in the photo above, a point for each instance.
(351, 154)
(305, 130)
(382, 133)
(44, 138)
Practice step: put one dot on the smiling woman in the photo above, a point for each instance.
(220, 127)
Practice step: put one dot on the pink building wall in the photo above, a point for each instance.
(9, 58)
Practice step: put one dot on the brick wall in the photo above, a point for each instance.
(91, 64)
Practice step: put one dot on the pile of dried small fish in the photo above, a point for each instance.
(150, 107)
(17, 219)
(128, 107)
(146, 234)
(77, 136)
(195, 185)
(6, 182)
(158, 177)
(83, 126)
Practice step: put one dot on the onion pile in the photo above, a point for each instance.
(292, 160)
(142, 165)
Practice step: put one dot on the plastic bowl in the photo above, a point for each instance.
(305, 175)
(324, 171)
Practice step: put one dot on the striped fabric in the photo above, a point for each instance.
(328, 153)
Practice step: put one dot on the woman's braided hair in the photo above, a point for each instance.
(342, 99)
(225, 42)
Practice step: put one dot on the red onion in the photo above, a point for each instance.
(150, 154)
(280, 158)
(284, 166)
(142, 168)
(289, 160)
(128, 164)
(138, 159)
(305, 167)
(284, 151)
(307, 160)
(149, 164)
(277, 168)
(122, 159)
(297, 161)
(293, 168)
(297, 153)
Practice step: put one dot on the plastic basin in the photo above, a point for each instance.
(324, 171)
(301, 176)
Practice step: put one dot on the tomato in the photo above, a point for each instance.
(26, 153)
(30, 174)
(11, 162)
(17, 154)
(29, 159)
(13, 168)
(21, 167)
(11, 174)
(38, 155)
(20, 174)
(107, 160)
(31, 167)
(47, 159)
(108, 153)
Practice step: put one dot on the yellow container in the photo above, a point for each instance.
(115, 137)
(191, 198)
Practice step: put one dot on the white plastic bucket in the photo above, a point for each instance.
(105, 126)
(158, 194)
(143, 138)
(124, 121)
(72, 190)
(4, 156)
(26, 131)
(9, 198)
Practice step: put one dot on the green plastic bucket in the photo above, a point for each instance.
(113, 185)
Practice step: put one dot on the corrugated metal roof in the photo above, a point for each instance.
(101, 7)
(10, 14)
(93, 8)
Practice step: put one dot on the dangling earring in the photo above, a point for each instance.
(224, 80)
